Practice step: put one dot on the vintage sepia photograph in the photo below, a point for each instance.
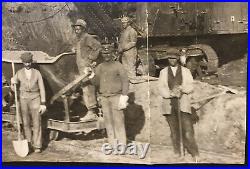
(124, 82)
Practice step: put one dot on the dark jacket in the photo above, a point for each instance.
(87, 50)
(111, 79)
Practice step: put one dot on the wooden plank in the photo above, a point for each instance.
(71, 127)
(81, 79)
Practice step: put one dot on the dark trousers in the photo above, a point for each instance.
(187, 131)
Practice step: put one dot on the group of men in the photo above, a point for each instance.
(111, 79)
(87, 49)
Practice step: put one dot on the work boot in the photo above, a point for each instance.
(90, 116)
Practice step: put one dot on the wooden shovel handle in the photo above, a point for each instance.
(17, 105)
(180, 128)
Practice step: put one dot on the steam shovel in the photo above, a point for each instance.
(21, 147)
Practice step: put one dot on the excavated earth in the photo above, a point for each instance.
(220, 131)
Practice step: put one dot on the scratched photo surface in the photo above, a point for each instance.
(138, 83)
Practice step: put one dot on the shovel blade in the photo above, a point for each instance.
(21, 147)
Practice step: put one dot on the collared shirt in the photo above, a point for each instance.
(174, 69)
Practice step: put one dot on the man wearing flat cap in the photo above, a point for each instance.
(127, 47)
(113, 85)
(175, 86)
(87, 49)
(32, 100)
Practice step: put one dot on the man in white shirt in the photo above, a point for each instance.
(32, 100)
(175, 87)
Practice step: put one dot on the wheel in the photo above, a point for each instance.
(54, 135)
(210, 58)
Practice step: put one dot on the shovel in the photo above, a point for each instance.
(182, 148)
(21, 147)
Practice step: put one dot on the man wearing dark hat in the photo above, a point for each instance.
(127, 47)
(87, 49)
(112, 81)
(175, 87)
(32, 100)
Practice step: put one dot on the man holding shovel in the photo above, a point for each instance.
(175, 86)
(31, 93)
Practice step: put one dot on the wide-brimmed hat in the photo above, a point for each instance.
(107, 48)
(80, 22)
(27, 57)
(173, 53)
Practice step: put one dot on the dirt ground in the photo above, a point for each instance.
(67, 150)
(88, 151)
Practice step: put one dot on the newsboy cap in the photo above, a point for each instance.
(27, 57)
(80, 22)
(173, 53)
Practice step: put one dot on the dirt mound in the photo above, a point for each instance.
(234, 73)
(221, 127)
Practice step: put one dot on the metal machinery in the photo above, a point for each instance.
(200, 28)
(206, 31)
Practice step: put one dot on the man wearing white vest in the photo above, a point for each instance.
(32, 100)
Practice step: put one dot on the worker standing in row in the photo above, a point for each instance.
(175, 87)
(127, 47)
(113, 85)
(32, 101)
(87, 49)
